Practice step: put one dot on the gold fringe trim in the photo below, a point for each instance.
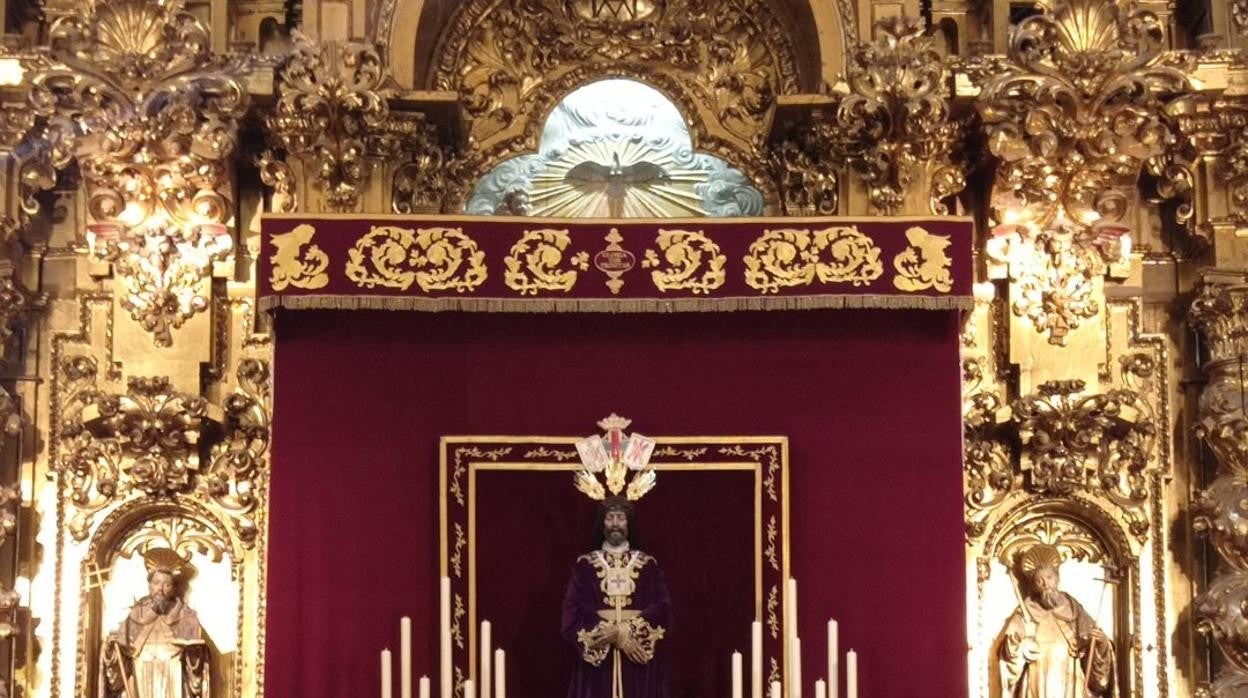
(613, 305)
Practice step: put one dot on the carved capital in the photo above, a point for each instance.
(135, 96)
(1072, 114)
(895, 126)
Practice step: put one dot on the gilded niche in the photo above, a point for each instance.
(725, 60)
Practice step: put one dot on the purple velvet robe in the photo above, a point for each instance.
(652, 606)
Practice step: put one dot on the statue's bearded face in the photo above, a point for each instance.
(615, 527)
(160, 588)
(1044, 584)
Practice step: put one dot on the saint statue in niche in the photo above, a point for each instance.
(159, 650)
(617, 609)
(1052, 647)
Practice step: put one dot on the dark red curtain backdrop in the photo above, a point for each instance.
(868, 399)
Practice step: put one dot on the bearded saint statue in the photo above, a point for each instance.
(159, 650)
(1051, 647)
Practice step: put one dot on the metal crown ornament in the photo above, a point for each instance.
(613, 456)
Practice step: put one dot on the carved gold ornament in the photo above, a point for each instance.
(924, 264)
(435, 259)
(143, 441)
(533, 263)
(895, 124)
(296, 261)
(1101, 445)
(1219, 312)
(725, 60)
(691, 261)
(163, 270)
(790, 257)
(1072, 115)
(154, 442)
(136, 97)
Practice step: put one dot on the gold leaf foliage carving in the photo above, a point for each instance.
(693, 262)
(795, 257)
(239, 459)
(533, 263)
(895, 122)
(136, 97)
(143, 442)
(296, 261)
(435, 259)
(164, 270)
(1073, 540)
(181, 534)
(728, 59)
(924, 264)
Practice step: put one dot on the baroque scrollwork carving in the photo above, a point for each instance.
(727, 60)
(1062, 441)
(1073, 114)
(134, 95)
(895, 122)
(144, 441)
(331, 103)
(805, 168)
(154, 442)
(1220, 312)
(163, 270)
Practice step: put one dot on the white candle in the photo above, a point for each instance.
(834, 658)
(424, 687)
(736, 675)
(851, 674)
(387, 680)
(795, 670)
(821, 689)
(485, 659)
(445, 688)
(405, 657)
(756, 659)
(791, 607)
(775, 689)
(470, 691)
(500, 674)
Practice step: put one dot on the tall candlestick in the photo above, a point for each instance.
(821, 689)
(387, 680)
(795, 670)
(470, 689)
(736, 675)
(500, 674)
(851, 674)
(775, 689)
(445, 689)
(405, 657)
(424, 687)
(834, 659)
(485, 659)
(756, 659)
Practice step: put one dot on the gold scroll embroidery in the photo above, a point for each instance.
(296, 261)
(924, 264)
(435, 259)
(533, 263)
(790, 257)
(693, 262)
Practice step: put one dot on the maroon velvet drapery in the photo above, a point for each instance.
(868, 399)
